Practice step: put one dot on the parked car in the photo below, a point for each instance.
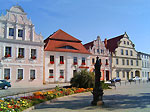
(117, 79)
(4, 84)
(131, 80)
(136, 78)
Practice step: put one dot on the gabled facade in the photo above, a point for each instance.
(126, 63)
(21, 49)
(64, 56)
(97, 48)
(145, 65)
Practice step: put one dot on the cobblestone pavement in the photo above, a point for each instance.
(27, 90)
(125, 98)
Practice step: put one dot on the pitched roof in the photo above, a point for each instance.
(90, 44)
(59, 42)
(112, 43)
(61, 35)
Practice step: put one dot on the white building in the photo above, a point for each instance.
(145, 65)
(64, 56)
(21, 49)
(97, 48)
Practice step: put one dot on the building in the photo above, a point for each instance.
(145, 65)
(126, 63)
(97, 48)
(21, 49)
(64, 56)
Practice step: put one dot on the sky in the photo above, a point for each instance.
(86, 19)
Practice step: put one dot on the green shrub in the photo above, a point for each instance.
(85, 79)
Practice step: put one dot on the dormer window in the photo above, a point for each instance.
(11, 31)
(20, 33)
(68, 47)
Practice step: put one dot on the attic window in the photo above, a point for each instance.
(68, 47)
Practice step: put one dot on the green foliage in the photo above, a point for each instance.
(83, 79)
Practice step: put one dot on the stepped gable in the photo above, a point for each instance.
(60, 41)
(112, 43)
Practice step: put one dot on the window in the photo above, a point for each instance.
(68, 47)
(51, 59)
(126, 52)
(93, 60)
(11, 31)
(61, 59)
(61, 73)
(106, 61)
(102, 51)
(137, 63)
(117, 61)
(20, 33)
(117, 75)
(132, 62)
(75, 61)
(32, 74)
(127, 43)
(7, 52)
(33, 53)
(123, 63)
(97, 50)
(127, 62)
(21, 53)
(124, 42)
(20, 74)
(51, 75)
(131, 53)
(83, 60)
(121, 51)
(6, 73)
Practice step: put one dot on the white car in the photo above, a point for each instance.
(136, 78)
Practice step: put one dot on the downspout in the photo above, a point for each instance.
(44, 68)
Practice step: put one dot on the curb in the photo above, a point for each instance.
(49, 102)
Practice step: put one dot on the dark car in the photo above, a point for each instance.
(117, 79)
(4, 84)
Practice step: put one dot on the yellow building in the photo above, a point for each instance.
(126, 63)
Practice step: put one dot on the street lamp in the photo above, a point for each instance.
(97, 91)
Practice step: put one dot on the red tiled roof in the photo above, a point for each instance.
(60, 39)
(61, 35)
(112, 43)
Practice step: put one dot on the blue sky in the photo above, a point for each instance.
(85, 19)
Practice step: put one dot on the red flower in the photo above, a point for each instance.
(61, 77)
(106, 63)
(8, 55)
(20, 56)
(33, 57)
(75, 63)
(51, 76)
(61, 62)
(83, 63)
(51, 62)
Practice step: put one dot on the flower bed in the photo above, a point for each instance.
(22, 103)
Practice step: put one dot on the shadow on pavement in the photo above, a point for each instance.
(112, 102)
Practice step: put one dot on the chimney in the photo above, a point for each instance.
(105, 42)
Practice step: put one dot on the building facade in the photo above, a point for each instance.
(21, 49)
(97, 48)
(64, 56)
(145, 65)
(126, 63)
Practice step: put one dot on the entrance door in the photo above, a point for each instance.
(107, 75)
(127, 75)
(74, 72)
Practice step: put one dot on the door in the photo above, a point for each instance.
(74, 72)
(107, 75)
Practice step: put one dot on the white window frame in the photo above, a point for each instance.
(17, 73)
(30, 74)
(4, 72)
